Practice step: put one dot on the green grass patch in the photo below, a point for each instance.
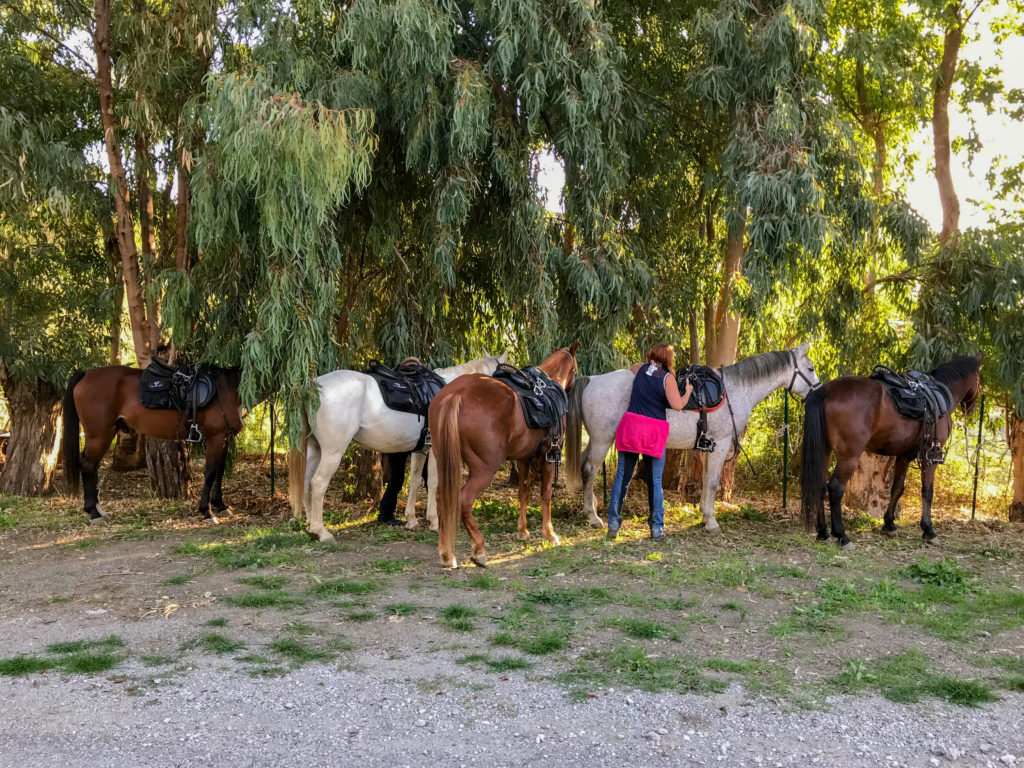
(458, 618)
(263, 600)
(335, 587)
(361, 616)
(905, 678)
(297, 652)
(547, 641)
(945, 574)
(157, 659)
(257, 548)
(631, 667)
(570, 598)
(181, 578)
(89, 662)
(220, 621)
(16, 666)
(497, 663)
(642, 628)
(77, 646)
(483, 581)
(391, 565)
(401, 609)
(269, 583)
(214, 642)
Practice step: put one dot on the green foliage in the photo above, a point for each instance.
(944, 574)
(905, 678)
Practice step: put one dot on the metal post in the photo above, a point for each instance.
(977, 456)
(785, 445)
(272, 437)
(604, 483)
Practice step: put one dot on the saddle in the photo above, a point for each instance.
(408, 388)
(708, 395)
(919, 397)
(187, 389)
(543, 401)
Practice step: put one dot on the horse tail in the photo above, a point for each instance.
(447, 449)
(69, 436)
(574, 435)
(814, 452)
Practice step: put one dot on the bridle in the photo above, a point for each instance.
(812, 385)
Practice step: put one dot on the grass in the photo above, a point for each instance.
(629, 666)
(458, 618)
(220, 621)
(570, 598)
(78, 646)
(263, 600)
(73, 658)
(258, 547)
(335, 587)
(181, 578)
(90, 663)
(905, 678)
(498, 663)
(269, 583)
(401, 609)
(297, 652)
(642, 628)
(157, 659)
(16, 666)
(361, 616)
(390, 565)
(214, 642)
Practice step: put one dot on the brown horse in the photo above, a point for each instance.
(105, 400)
(853, 414)
(478, 419)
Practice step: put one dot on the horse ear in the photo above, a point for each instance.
(802, 349)
(503, 357)
(574, 347)
(979, 357)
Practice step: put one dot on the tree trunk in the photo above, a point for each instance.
(367, 477)
(117, 283)
(168, 465)
(727, 321)
(670, 478)
(125, 225)
(129, 452)
(34, 408)
(940, 125)
(694, 335)
(710, 338)
(694, 476)
(296, 480)
(1015, 437)
(182, 261)
(868, 488)
(147, 224)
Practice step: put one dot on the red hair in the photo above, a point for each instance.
(664, 355)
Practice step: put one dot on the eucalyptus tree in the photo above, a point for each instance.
(370, 186)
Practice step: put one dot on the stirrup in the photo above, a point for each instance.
(933, 454)
(553, 455)
(194, 435)
(705, 443)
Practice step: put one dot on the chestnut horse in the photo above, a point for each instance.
(853, 414)
(478, 419)
(105, 400)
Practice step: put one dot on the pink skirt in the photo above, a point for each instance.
(641, 434)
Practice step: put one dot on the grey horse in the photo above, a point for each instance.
(598, 402)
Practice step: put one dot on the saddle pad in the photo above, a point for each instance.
(915, 395)
(167, 388)
(407, 388)
(543, 401)
(708, 387)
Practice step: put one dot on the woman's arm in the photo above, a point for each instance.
(636, 367)
(676, 401)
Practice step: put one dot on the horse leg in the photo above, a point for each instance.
(592, 457)
(845, 467)
(389, 499)
(479, 478)
(94, 449)
(214, 465)
(547, 484)
(432, 491)
(415, 477)
(525, 480)
(899, 478)
(927, 487)
(217, 493)
(320, 480)
(712, 477)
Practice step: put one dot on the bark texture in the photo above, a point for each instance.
(365, 477)
(1015, 437)
(952, 41)
(869, 487)
(34, 407)
(168, 464)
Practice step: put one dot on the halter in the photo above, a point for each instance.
(797, 372)
(575, 362)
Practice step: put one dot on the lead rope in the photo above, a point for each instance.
(735, 433)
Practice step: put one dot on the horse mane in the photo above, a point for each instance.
(956, 369)
(756, 368)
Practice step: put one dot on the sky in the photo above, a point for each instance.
(999, 136)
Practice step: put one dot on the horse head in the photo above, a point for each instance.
(973, 390)
(805, 379)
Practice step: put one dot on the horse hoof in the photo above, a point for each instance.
(555, 541)
(220, 507)
(890, 533)
(323, 536)
(713, 530)
(596, 522)
(412, 524)
(210, 519)
(479, 560)
(98, 520)
(449, 562)
(932, 541)
(433, 526)
(522, 535)
(394, 522)
(848, 546)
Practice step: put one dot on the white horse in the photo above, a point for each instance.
(598, 403)
(353, 410)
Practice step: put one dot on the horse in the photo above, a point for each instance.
(853, 414)
(104, 400)
(478, 419)
(598, 403)
(353, 410)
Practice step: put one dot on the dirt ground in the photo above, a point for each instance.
(159, 640)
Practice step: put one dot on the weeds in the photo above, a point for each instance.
(905, 678)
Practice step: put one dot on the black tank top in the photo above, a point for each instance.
(648, 397)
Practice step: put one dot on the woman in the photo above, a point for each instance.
(643, 429)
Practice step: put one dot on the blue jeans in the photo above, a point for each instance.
(655, 495)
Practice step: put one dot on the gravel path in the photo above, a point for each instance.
(387, 712)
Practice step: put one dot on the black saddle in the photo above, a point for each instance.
(187, 388)
(408, 388)
(915, 395)
(708, 387)
(543, 401)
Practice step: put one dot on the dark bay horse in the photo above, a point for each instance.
(477, 419)
(853, 414)
(104, 400)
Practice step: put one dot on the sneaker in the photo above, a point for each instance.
(657, 536)
(611, 535)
